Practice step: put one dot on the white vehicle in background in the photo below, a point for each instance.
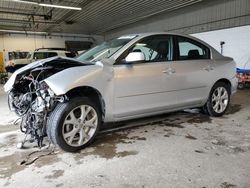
(38, 54)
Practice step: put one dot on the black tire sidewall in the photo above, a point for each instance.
(241, 86)
(65, 109)
(209, 106)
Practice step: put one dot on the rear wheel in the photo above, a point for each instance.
(74, 125)
(241, 86)
(218, 100)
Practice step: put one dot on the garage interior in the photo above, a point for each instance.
(180, 149)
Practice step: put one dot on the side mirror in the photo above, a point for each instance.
(135, 57)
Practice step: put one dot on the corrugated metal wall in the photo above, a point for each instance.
(205, 16)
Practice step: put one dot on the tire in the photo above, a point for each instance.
(218, 100)
(203, 110)
(241, 86)
(73, 125)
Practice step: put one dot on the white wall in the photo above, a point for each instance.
(237, 43)
(20, 42)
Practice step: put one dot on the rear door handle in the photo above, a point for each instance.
(209, 68)
(169, 71)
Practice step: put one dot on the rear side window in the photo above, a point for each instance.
(70, 54)
(44, 55)
(40, 55)
(189, 49)
(52, 54)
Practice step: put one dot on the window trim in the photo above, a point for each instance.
(197, 43)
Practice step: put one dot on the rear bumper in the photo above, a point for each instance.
(234, 85)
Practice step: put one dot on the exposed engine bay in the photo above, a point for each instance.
(32, 100)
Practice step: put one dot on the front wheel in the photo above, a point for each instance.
(218, 100)
(73, 125)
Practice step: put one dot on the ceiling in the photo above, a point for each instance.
(96, 16)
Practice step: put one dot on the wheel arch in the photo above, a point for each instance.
(90, 92)
(225, 81)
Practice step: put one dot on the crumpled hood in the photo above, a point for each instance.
(60, 63)
(74, 77)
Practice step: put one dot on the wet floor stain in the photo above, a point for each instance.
(199, 151)
(199, 118)
(238, 149)
(190, 137)
(55, 174)
(46, 161)
(227, 185)
(174, 125)
(219, 142)
(59, 185)
(18, 161)
(137, 138)
(105, 146)
(9, 140)
(126, 153)
(10, 164)
(233, 108)
(169, 132)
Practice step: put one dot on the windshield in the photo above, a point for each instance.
(106, 49)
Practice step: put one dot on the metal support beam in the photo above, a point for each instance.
(22, 13)
(27, 21)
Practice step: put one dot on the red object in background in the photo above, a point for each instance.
(243, 78)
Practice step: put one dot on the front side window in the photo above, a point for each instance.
(156, 48)
(189, 49)
(106, 49)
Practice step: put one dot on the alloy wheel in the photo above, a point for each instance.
(80, 125)
(220, 99)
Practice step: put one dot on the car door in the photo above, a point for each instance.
(145, 87)
(193, 71)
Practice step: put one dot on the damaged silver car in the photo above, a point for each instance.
(129, 77)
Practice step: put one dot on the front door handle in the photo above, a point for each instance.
(169, 71)
(209, 68)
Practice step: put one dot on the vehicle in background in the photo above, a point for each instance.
(38, 54)
(243, 76)
(81, 52)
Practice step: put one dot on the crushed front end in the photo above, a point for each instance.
(32, 99)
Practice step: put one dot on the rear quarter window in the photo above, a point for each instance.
(189, 49)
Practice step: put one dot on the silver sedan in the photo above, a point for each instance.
(129, 77)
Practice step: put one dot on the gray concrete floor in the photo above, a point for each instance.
(174, 150)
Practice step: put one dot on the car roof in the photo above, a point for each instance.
(155, 33)
(44, 50)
